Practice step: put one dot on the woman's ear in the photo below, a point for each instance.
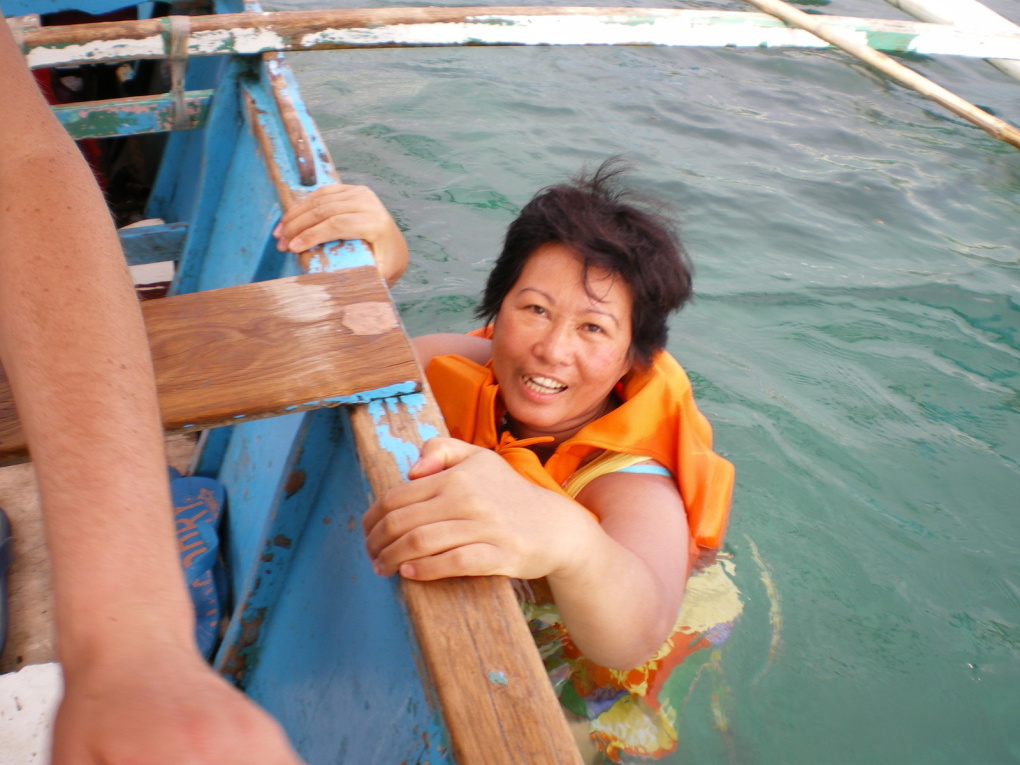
(637, 364)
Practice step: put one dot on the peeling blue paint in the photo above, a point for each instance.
(497, 678)
(405, 453)
(366, 396)
(341, 254)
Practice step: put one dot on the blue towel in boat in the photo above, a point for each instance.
(6, 554)
(198, 504)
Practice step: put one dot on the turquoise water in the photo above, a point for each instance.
(855, 342)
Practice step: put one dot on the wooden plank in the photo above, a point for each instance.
(497, 701)
(153, 244)
(130, 116)
(248, 33)
(18, 25)
(263, 349)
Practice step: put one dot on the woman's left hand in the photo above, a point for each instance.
(466, 512)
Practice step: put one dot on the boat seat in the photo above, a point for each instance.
(220, 357)
(264, 349)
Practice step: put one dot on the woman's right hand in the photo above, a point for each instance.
(467, 512)
(345, 212)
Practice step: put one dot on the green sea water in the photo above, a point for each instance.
(855, 341)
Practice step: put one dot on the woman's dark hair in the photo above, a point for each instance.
(609, 231)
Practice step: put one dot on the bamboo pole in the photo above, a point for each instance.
(964, 14)
(992, 125)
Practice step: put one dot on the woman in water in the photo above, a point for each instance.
(578, 463)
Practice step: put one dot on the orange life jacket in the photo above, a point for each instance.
(657, 419)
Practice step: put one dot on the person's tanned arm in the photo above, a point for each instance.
(74, 348)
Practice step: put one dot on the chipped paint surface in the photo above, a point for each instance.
(102, 50)
(244, 41)
(244, 653)
(939, 40)
(28, 709)
(415, 403)
(370, 318)
(334, 256)
(147, 114)
(562, 30)
(497, 678)
(300, 302)
(405, 453)
(734, 29)
(680, 28)
(364, 397)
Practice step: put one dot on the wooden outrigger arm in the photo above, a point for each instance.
(965, 14)
(252, 33)
(817, 25)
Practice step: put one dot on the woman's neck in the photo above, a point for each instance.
(546, 449)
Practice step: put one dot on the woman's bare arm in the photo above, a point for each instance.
(427, 347)
(618, 582)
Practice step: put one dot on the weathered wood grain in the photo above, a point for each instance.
(496, 698)
(264, 349)
(300, 145)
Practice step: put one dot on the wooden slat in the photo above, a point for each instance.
(250, 33)
(130, 116)
(153, 244)
(497, 701)
(264, 349)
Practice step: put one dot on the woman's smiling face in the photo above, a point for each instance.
(558, 351)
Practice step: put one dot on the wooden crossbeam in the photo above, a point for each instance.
(995, 127)
(251, 33)
(264, 349)
(131, 116)
(153, 244)
(497, 702)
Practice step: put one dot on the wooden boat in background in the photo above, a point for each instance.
(298, 373)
